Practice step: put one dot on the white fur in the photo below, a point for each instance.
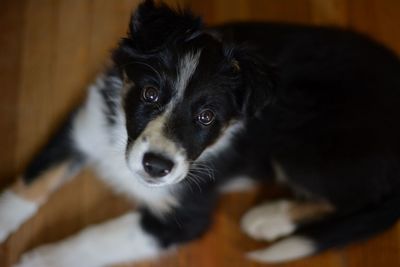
(153, 140)
(89, 129)
(14, 211)
(269, 221)
(238, 184)
(187, 66)
(288, 249)
(105, 145)
(117, 241)
(223, 141)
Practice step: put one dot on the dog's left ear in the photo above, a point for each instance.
(258, 81)
(152, 26)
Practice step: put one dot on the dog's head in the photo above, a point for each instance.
(185, 92)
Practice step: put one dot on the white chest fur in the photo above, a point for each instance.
(105, 144)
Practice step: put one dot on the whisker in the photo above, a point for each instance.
(193, 179)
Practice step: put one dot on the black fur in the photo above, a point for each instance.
(334, 122)
(58, 150)
(184, 223)
(327, 111)
(158, 39)
(340, 229)
(322, 102)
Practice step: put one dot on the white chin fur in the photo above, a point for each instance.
(162, 183)
(91, 133)
(288, 249)
(14, 211)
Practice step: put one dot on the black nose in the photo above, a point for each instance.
(156, 165)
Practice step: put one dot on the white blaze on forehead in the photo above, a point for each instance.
(153, 139)
(155, 136)
(186, 68)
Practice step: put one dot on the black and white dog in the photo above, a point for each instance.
(317, 109)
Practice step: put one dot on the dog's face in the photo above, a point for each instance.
(185, 93)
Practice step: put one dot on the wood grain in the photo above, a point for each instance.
(50, 50)
(11, 28)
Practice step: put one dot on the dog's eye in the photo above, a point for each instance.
(206, 117)
(150, 94)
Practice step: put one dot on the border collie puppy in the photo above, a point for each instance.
(317, 109)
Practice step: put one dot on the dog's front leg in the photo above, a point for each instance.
(130, 238)
(120, 240)
(55, 163)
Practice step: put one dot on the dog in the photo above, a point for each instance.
(316, 109)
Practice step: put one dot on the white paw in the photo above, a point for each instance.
(288, 249)
(117, 241)
(268, 221)
(44, 256)
(14, 211)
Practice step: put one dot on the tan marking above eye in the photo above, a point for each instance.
(235, 65)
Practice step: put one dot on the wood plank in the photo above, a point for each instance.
(35, 109)
(329, 12)
(382, 250)
(239, 10)
(281, 11)
(50, 69)
(109, 23)
(377, 18)
(204, 8)
(11, 28)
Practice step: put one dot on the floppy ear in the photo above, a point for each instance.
(152, 27)
(258, 81)
(153, 24)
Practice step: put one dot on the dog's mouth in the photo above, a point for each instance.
(152, 182)
(149, 181)
(156, 183)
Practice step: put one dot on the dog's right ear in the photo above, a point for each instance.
(153, 24)
(258, 80)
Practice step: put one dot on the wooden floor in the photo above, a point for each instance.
(50, 50)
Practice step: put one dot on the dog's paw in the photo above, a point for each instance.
(14, 211)
(44, 256)
(287, 249)
(269, 221)
(61, 254)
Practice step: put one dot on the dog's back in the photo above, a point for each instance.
(333, 127)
